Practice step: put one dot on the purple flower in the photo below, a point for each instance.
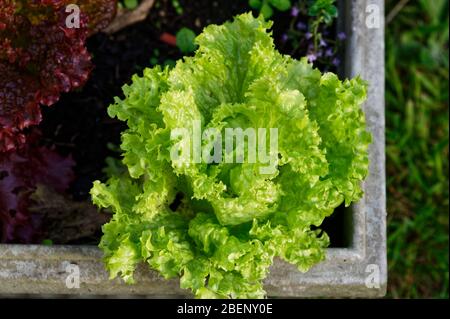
(284, 37)
(308, 35)
(322, 43)
(311, 57)
(341, 36)
(302, 26)
(295, 11)
(329, 52)
(336, 62)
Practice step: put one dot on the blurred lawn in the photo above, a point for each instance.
(417, 148)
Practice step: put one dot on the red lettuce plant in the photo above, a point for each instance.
(40, 57)
(21, 172)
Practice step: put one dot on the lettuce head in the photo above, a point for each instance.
(217, 223)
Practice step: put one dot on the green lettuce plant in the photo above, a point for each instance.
(218, 226)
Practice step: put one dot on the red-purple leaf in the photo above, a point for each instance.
(40, 57)
(20, 173)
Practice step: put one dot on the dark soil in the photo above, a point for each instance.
(79, 125)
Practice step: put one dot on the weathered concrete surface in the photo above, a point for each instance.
(42, 270)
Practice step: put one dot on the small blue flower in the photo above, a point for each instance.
(302, 26)
(311, 57)
(336, 62)
(295, 11)
(308, 35)
(322, 43)
(341, 36)
(284, 37)
(329, 52)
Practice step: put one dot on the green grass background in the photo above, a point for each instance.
(417, 120)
